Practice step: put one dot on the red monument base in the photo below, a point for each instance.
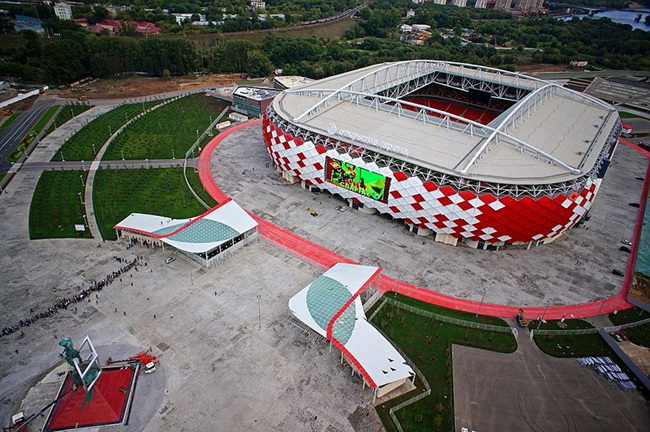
(109, 404)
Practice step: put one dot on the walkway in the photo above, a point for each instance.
(323, 257)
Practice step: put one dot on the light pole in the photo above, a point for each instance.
(548, 303)
(481, 304)
(122, 151)
(142, 107)
(85, 221)
(80, 199)
(94, 151)
(110, 131)
(81, 177)
(126, 116)
(62, 157)
(197, 134)
(83, 166)
(173, 156)
(71, 113)
(259, 311)
(147, 161)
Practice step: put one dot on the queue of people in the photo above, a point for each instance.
(95, 286)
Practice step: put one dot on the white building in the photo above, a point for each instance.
(481, 4)
(459, 3)
(63, 11)
(440, 2)
(258, 4)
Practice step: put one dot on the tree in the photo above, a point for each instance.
(258, 64)
(63, 61)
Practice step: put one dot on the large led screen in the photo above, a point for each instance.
(355, 179)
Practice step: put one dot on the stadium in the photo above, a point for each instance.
(461, 152)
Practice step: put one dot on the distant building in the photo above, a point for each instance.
(83, 22)
(578, 63)
(459, 3)
(418, 1)
(252, 101)
(481, 4)
(258, 4)
(502, 4)
(440, 2)
(63, 11)
(289, 82)
(410, 13)
(22, 23)
(529, 5)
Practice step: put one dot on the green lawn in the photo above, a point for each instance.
(8, 121)
(171, 127)
(193, 178)
(32, 134)
(80, 145)
(159, 191)
(625, 115)
(428, 344)
(639, 335)
(56, 207)
(66, 114)
(466, 316)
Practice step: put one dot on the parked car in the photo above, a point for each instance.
(170, 260)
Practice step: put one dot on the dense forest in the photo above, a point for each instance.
(490, 38)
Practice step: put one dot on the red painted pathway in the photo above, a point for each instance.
(326, 258)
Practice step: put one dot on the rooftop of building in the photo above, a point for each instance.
(551, 134)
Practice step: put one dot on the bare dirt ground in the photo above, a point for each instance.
(137, 86)
(542, 67)
(638, 354)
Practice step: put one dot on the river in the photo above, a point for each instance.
(619, 16)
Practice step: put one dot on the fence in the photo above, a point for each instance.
(612, 329)
(450, 320)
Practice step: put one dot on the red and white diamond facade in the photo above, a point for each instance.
(463, 152)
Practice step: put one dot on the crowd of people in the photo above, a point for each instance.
(95, 286)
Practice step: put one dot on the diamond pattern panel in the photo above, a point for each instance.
(443, 209)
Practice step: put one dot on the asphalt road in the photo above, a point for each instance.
(14, 134)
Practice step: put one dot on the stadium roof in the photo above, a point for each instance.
(195, 235)
(551, 134)
(331, 306)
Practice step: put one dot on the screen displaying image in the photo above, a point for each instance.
(355, 179)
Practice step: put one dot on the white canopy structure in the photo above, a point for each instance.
(331, 306)
(202, 238)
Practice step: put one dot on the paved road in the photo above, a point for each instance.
(126, 164)
(15, 133)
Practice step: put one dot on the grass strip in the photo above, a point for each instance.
(158, 191)
(56, 207)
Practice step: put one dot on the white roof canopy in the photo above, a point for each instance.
(195, 235)
(331, 306)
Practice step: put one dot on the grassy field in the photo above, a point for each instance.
(625, 115)
(571, 345)
(8, 121)
(195, 182)
(160, 191)
(66, 114)
(56, 207)
(171, 127)
(80, 145)
(639, 335)
(32, 134)
(428, 344)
